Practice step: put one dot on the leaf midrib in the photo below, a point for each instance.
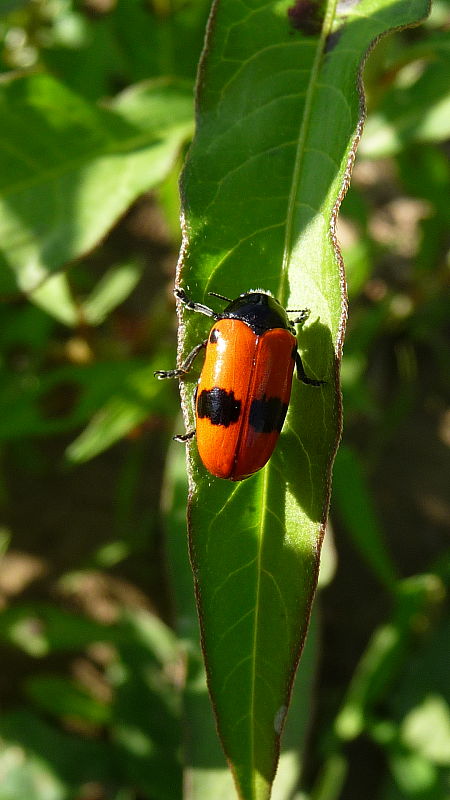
(255, 632)
(330, 12)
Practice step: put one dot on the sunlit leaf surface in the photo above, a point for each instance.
(277, 123)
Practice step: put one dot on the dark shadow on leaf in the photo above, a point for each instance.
(308, 439)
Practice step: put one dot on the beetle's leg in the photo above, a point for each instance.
(185, 367)
(181, 295)
(301, 374)
(184, 437)
(304, 314)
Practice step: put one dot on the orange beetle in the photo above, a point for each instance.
(244, 389)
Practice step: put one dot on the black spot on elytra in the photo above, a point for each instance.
(306, 16)
(214, 336)
(267, 414)
(219, 406)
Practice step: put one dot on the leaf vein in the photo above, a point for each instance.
(235, 624)
(248, 116)
(256, 55)
(338, 91)
(236, 246)
(231, 575)
(232, 671)
(323, 154)
(282, 600)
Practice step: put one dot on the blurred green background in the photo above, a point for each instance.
(97, 622)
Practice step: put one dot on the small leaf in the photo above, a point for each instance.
(55, 297)
(420, 750)
(354, 504)
(130, 405)
(39, 762)
(42, 629)
(63, 698)
(113, 288)
(416, 108)
(121, 394)
(415, 777)
(145, 727)
(387, 652)
(426, 729)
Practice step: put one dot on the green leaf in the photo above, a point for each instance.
(164, 37)
(66, 699)
(113, 288)
(40, 629)
(277, 119)
(354, 504)
(417, 106)
(39, 762)
(143, 719)
(419, 751)
(131, 404)
(427, 729)
(65, 186)
(331, 779)
(206, 772)
(146, 729)
(55, 297)
(115, 396)
(386, 653)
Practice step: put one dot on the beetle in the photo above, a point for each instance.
(243, 392)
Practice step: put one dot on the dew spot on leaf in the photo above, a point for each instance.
(279, 719)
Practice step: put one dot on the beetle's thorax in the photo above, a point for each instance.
(260, 311)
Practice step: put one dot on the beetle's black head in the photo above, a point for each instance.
(260, 311)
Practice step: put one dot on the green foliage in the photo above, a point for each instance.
(101, 697)
(63, 188)
(142, 718)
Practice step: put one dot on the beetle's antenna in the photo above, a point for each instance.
(220, 296)
(304, 312)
